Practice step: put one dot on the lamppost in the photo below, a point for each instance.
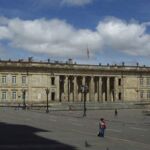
(24, 98)
(47, 93)
(84, 89)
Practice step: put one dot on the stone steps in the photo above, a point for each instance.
(95, 106)
(89, 106)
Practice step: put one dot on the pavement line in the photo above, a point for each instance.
(138, 129)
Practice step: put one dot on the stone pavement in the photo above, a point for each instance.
(30, 129)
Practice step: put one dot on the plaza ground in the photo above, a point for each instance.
(35, 129)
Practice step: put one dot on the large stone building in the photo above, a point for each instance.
(106, 83)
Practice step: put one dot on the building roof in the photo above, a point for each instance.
(69, 65)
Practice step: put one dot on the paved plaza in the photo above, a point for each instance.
(34, 129)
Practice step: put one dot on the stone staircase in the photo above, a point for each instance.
(72, 106)
(95, 105)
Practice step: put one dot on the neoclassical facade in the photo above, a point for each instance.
(106, 83)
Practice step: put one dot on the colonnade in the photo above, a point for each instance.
(100, 88)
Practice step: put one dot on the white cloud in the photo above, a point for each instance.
(76, 2)
(58, 38)
(54, 37)
(128, 37)
(4, 33)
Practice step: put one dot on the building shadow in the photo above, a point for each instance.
(22, 137)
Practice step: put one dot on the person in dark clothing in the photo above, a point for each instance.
(116, 112)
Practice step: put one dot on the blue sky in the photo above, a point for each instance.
(113, 30)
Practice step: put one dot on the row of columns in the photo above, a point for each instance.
(99, 88)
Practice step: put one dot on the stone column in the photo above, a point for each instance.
(75, 90)
(69, 85)
(92, 89)
(57, 78)
(29, 91)
(122, 88)
(83, 83)
(62, 88)
(18, 98)
(83, 80)
(66, 88)
(115, 89)
(100, 89)
(108, 89)
(138, 89)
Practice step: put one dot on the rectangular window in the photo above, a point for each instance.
(141, 94)
(53, 96)
(24, 80)
(3, 79)
(53, 80)
(4, 95)
(141, 82)
(119, 82)
(148, 94)
(148, 81)
(13, 79)
(14, 95)
(119, 96)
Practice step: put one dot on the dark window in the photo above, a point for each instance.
(53, 80)
(53, 96)
(119, 96)
(119, 82)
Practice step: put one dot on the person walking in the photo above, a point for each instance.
(102, 127)
(116, 113)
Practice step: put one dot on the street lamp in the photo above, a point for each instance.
(47, 93)
(24, 98)
(84, 89)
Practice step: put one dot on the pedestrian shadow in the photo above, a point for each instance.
(22, 137)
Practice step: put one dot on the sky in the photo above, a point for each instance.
(87, 31)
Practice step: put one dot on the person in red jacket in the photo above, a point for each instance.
(102, 127)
